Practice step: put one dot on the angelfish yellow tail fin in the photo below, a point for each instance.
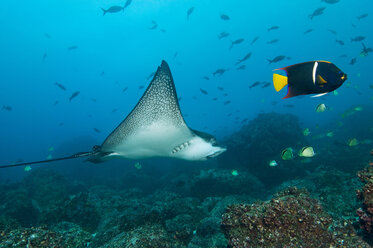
(279, 81)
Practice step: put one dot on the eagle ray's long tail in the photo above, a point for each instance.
(77, 155)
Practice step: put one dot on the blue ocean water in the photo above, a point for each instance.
(122, 46)
(108, 59)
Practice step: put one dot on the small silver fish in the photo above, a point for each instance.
(75, 94)
(113, 9)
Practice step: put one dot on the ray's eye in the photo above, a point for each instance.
(96, 148)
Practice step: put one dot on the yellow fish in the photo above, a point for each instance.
(287, 154)
(353, 142)
(358, 108)
(272, 163)
(321, 108)
(307, 152)
(348, 112)
(306, 132)
(330, 134)
(138, 166)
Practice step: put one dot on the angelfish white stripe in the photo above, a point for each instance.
(320, 94)
(314, 72)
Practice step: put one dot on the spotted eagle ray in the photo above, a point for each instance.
(154, 128)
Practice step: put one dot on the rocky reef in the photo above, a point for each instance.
(365, 195)
(45, 197)
(334, 189)
(75, 216)
(228, 202)
(291, 219)
(162, 219)
(72, 237)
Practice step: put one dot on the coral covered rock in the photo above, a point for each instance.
(77, 209)
(148, 236)
(290, 219)
(366, 196)
(19, 207)
(124, 212)
(181, 227)
(334, 189)
(45, 197)
(215, 241)
(45, 187)
(42, 237)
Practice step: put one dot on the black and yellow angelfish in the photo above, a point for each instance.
(314, 77)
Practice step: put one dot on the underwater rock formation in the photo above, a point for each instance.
(45, 186)
(127, 211)
(290, 219)
(261, 140)
(41, 237)
(334, 189)
(182, 227)
(366, 196)
(182, 221)
(45, 197)
(101, 216)
(16, 205)
(148, 236)
(77, 209)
